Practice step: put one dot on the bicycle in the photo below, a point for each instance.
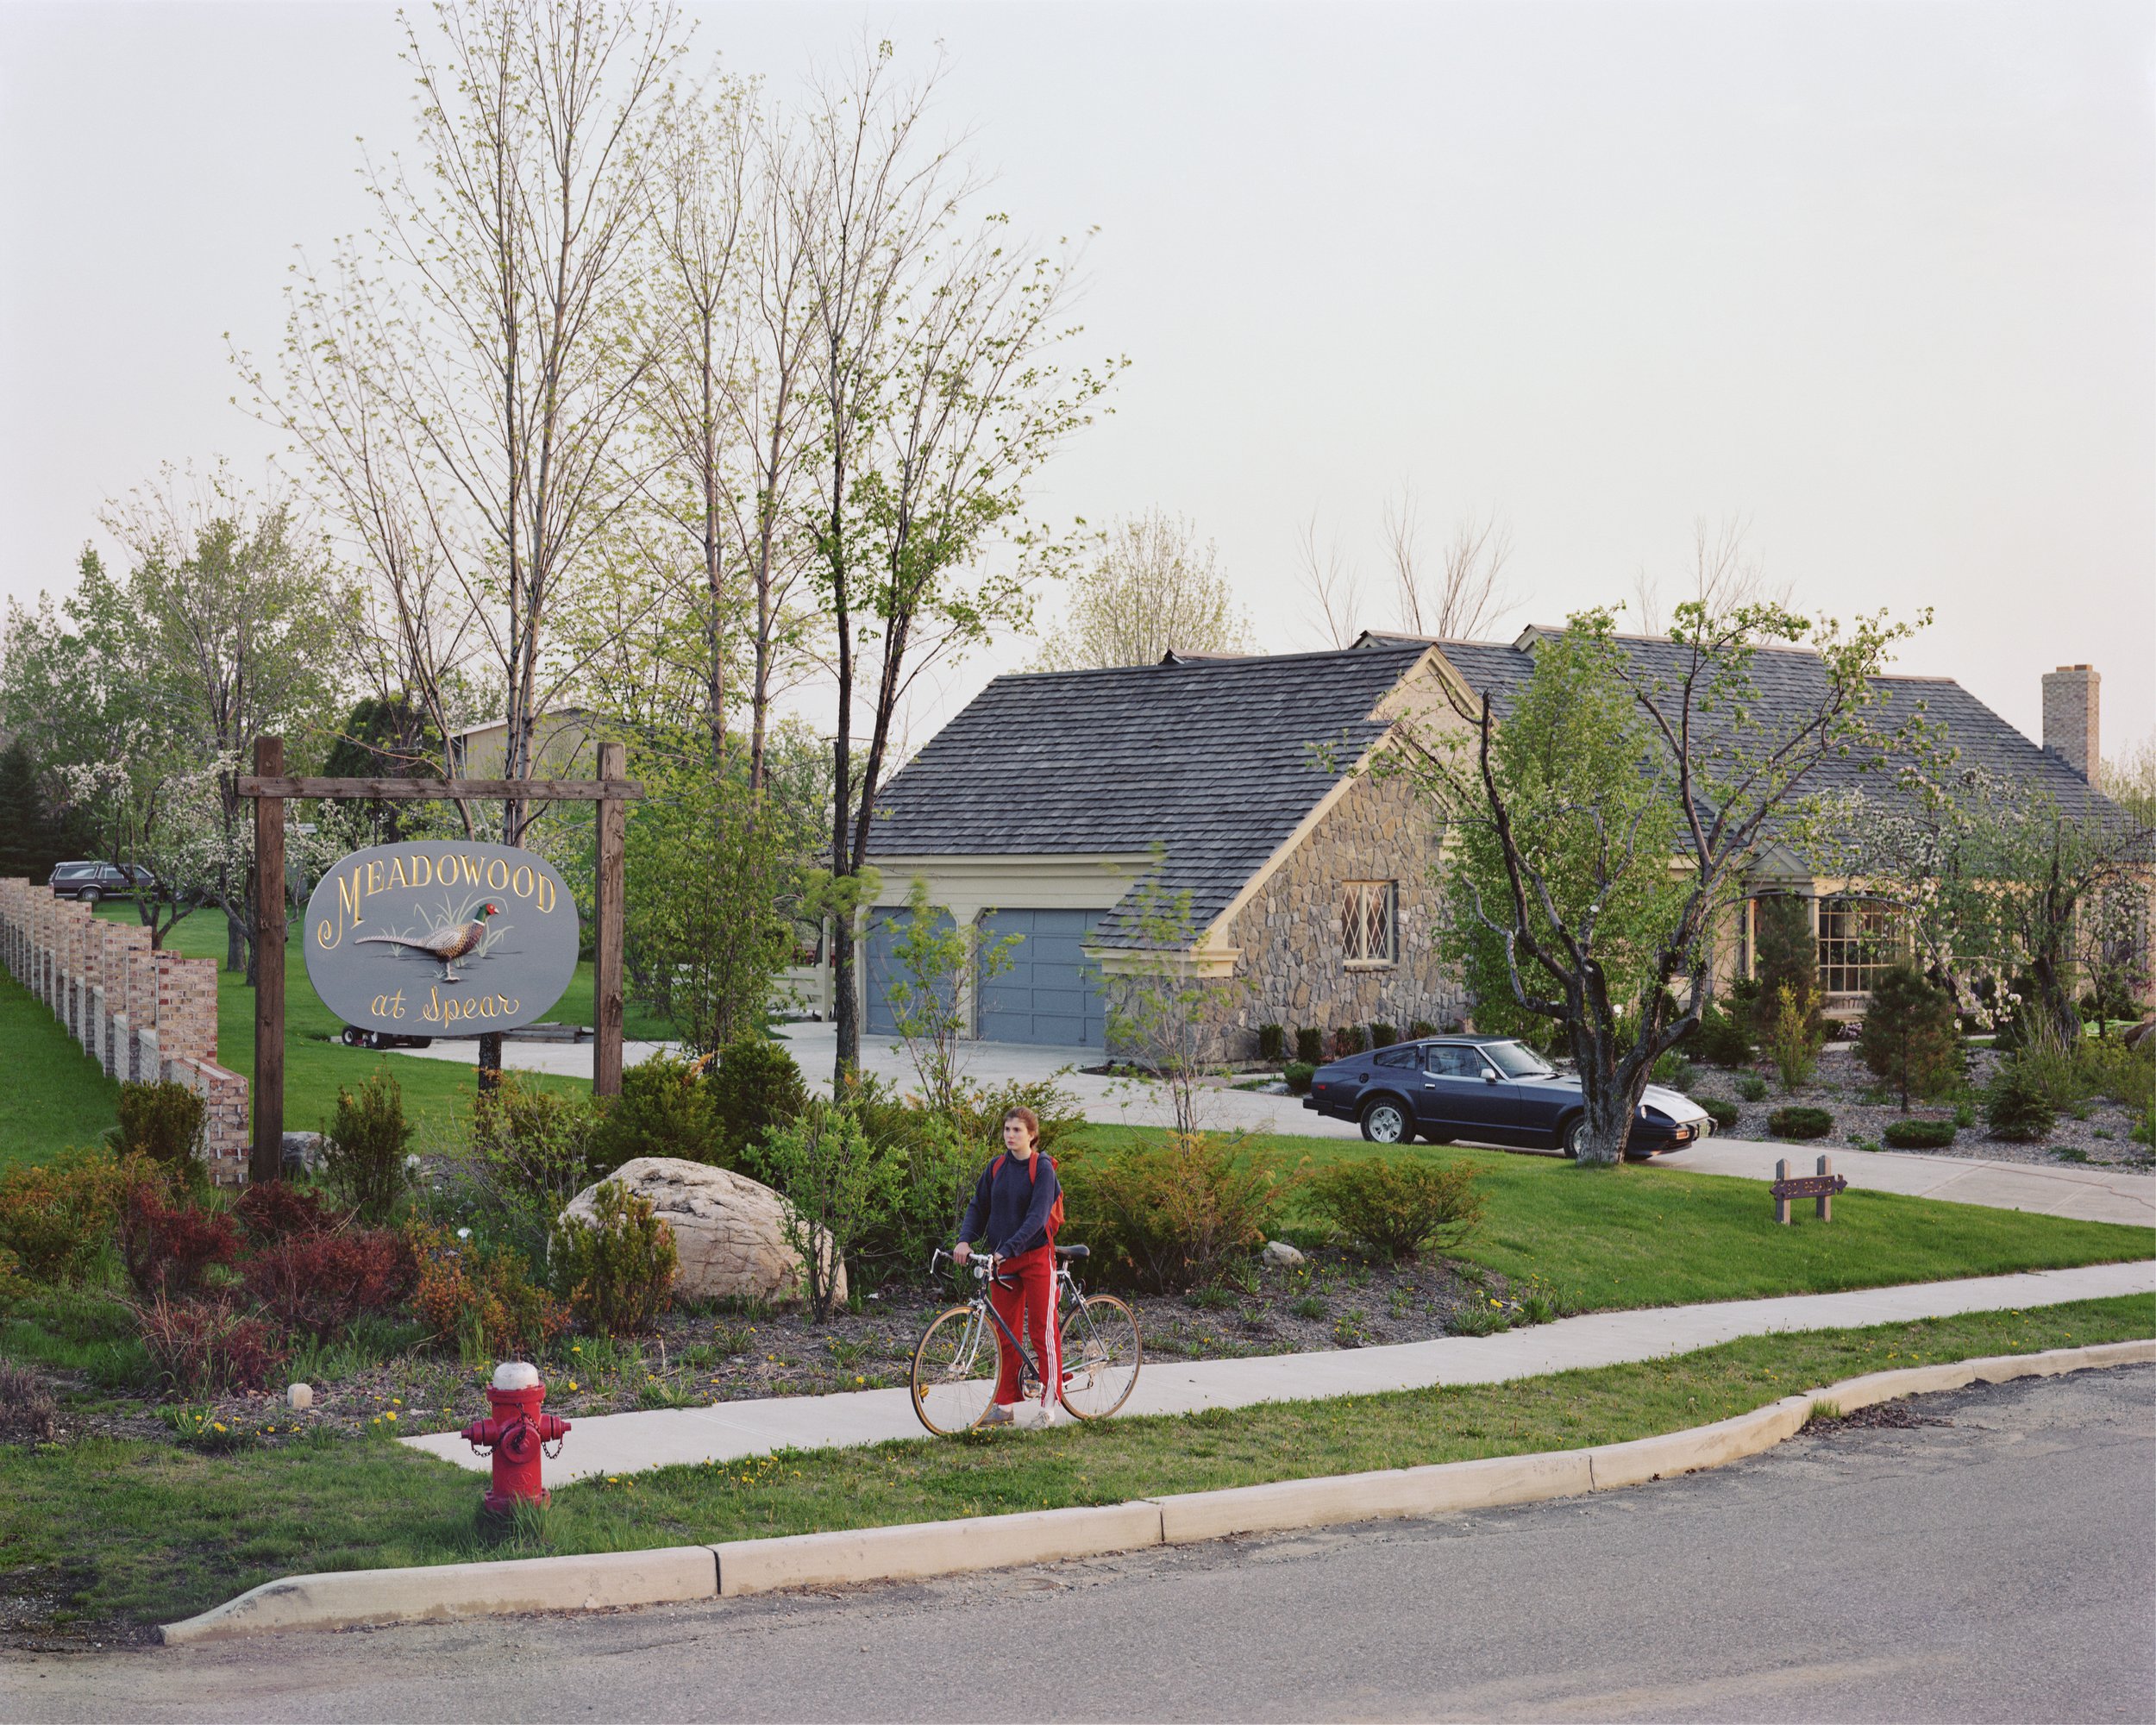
(955, 1365)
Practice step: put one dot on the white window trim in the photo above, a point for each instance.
(1357, 893)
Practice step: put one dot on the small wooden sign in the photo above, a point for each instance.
(1821, 1185)
(440, 939)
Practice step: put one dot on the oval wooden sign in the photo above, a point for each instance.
(434, 938)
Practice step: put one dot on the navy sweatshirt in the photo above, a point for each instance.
(1010, 1202)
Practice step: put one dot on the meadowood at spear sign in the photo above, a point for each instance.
(436, 938)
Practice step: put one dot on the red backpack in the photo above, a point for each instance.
(1032, 1173)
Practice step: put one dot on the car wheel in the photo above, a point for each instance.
(90, 896)
(1575, 1136)
(1385, 1121)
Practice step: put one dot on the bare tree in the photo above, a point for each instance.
(1331, 584)
(1153, 588)
(1724, 575)
(485, 327)
(936, 402)
(1464, 593)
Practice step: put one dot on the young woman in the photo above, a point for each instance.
(1010, 1211)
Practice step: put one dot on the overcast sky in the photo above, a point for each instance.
(1879, 279)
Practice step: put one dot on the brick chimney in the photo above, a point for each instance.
(2070, 717)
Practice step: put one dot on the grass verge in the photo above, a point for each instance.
(150, 1531)
(1605, 1237)
(52, 1094)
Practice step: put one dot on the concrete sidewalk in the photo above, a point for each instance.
(628, 1443)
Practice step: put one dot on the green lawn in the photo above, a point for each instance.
(149, 1531)
(52, 1094)
(1648, 1236)
(53, 1099)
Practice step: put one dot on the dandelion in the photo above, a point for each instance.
(859, 1380)
(391, 1416)
(572, 1383)
(219, 1427)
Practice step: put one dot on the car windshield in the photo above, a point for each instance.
(1514, 1060)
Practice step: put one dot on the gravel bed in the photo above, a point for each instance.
(2104, 1140)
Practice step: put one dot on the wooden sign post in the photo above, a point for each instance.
(1821, 1185)
(270, 789)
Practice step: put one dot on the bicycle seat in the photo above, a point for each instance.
(1074, 1251)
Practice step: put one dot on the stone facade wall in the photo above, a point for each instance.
(1293, 969)
(142, 1016)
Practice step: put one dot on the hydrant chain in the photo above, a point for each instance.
(517, 1432)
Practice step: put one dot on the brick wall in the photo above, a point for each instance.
(143, 1016)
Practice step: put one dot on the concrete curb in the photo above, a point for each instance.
(356, 1598)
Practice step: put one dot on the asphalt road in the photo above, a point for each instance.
(2000, 1565)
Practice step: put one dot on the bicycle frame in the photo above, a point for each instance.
(981, 1307)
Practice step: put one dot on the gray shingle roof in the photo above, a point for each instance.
(1790, 681)
(1216, 761)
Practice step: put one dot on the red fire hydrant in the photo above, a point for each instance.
(514, 1432)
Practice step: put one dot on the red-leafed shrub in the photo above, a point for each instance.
(198, 1346)
(169, 1248)
(277, 1209)
(319, 1282)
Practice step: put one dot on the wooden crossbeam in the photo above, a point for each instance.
(448, 790)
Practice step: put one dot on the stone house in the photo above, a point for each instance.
(1242, 790)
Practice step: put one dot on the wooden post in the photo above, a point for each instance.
(266, 1160)
(490, 1059)
(606, 998)
(1826, 1211)
(1781, 1204)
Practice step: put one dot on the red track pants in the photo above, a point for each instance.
(1029, 1307)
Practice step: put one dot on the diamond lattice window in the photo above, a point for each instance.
(1369, 922)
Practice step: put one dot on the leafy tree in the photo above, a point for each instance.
(1601, 834)
(1165, 1005)
(1912, 1035)
(32, 837)
(939, 961)
(1154, 587)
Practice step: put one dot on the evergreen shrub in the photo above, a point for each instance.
(1919, 1134)
(1800, 1124)
(1398, 1207)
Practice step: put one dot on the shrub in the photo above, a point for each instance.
(55, 1217)
(1722, 1111)
(1399, 1206)
(1919, 1134)
(1383, 1036)
(198, 1346)
(14, 1285)
(2126, 1075)
(162, 1123)
(754, 1087)
(1299, 1073)
(824, 1168)
(1721, 1039)
(1912, 1035)
(2016, 1106)
(1675, 1070)
(1310, 1046)
(923, 1180)
(363, 1152)
(1800, 1124)
(487, 1304)
(1350, 1039)
(978, 1117)
(665, 1108)
(168, 1248)
(1791, 1036)
(1419, 1029)
(321, 1282)
(277, 1209)
(1272, 1042)
(531, 1154)
(26, 1409)
(1170, 1213)
(1752, 1087)
(617, 1270)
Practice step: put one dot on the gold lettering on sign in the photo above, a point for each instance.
(493, 863)
(545, 895)
(446, 1010)
(520, 882)
(396, 877)
(422, 869)
(471, 871)
(374, 876)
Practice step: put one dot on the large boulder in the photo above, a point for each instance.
(726, 1230)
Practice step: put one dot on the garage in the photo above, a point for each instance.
(881, 966)
(1048, 993)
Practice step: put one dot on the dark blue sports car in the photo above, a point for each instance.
(1487, 1089)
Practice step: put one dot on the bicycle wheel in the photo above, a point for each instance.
(955, 1372)
(1101, 1355)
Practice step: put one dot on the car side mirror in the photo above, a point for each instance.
(1489, 1076)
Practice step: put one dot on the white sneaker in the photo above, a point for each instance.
(998, 1414)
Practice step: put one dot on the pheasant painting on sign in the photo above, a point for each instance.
(434, 938)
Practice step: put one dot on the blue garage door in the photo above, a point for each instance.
(885, 929)
(1050, 993)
